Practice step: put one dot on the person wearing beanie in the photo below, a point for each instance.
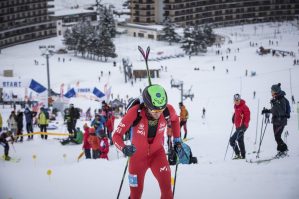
(241, 120)
(94, 142)
(280, 110)
(86, 146)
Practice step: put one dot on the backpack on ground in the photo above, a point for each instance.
(184, 154)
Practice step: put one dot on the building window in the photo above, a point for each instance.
(151, 36)
(140, 35)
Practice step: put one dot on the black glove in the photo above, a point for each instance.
(233, 118)
(129, 150)
(242, 128)
(264, 111)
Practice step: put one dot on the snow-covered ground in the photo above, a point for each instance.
(212, 177)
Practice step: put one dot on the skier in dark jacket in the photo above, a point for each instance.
(71, 116)
(20, 125)
(29, 115)
(241, 120)
(280, 109)
(4, 135)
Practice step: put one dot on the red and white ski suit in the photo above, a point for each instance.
(147, 155)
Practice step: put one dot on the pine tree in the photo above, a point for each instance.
(106, 30)
(169, 33)
(187, 41)
(210, 36)
(69, 40)
(199, 41)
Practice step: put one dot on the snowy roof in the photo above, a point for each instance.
(76, 11)
(141, 66)
(146, 27)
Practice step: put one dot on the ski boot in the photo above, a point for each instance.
(7, 158)
(281, 154)
(238, 157)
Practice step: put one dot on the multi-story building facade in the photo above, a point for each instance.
(67, 18)
(25, 20)
(216, 12)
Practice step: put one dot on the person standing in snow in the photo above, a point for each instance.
(71, 115)
(184, 115)
(146, 149)
(104, 145)
(29, 115)
(241, 120)
(94, 142)
(280, 109)
(110, 126)
(43, 121)
(12, 123)
(20, 125)
(86, 146)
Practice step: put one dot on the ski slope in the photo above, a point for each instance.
(213, 177)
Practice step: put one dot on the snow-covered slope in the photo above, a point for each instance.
(212, 177)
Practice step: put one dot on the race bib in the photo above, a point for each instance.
(133, 180)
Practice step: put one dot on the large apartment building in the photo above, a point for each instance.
(216, 12)
(25, 20)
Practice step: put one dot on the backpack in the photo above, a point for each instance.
(184, 154)
(134, 101)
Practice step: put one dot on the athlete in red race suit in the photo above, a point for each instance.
(149, 149)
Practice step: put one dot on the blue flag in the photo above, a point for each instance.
(70, 93)
(37, 87)
(98, 93)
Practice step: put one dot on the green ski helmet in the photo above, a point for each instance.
(154, 97)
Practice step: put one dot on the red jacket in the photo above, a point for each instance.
(110, 124)
(86, 144)
(140, 131)
(104, 147)
(94, 142)
(241, 115)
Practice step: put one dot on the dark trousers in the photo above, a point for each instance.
(43, 128)
(71, 127)
(95, 154)
(110, 137)
(281, 146)
(87, 153)
(4, 143)
(238, 137)
(184, 124)
(29, 129)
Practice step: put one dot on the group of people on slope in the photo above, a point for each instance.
(98, 136)
(14, 130)
(280, 110)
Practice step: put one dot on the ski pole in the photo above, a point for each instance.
(175, 174)
(228, 141)
(122, 180)
(257, 120)
(261, 139)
